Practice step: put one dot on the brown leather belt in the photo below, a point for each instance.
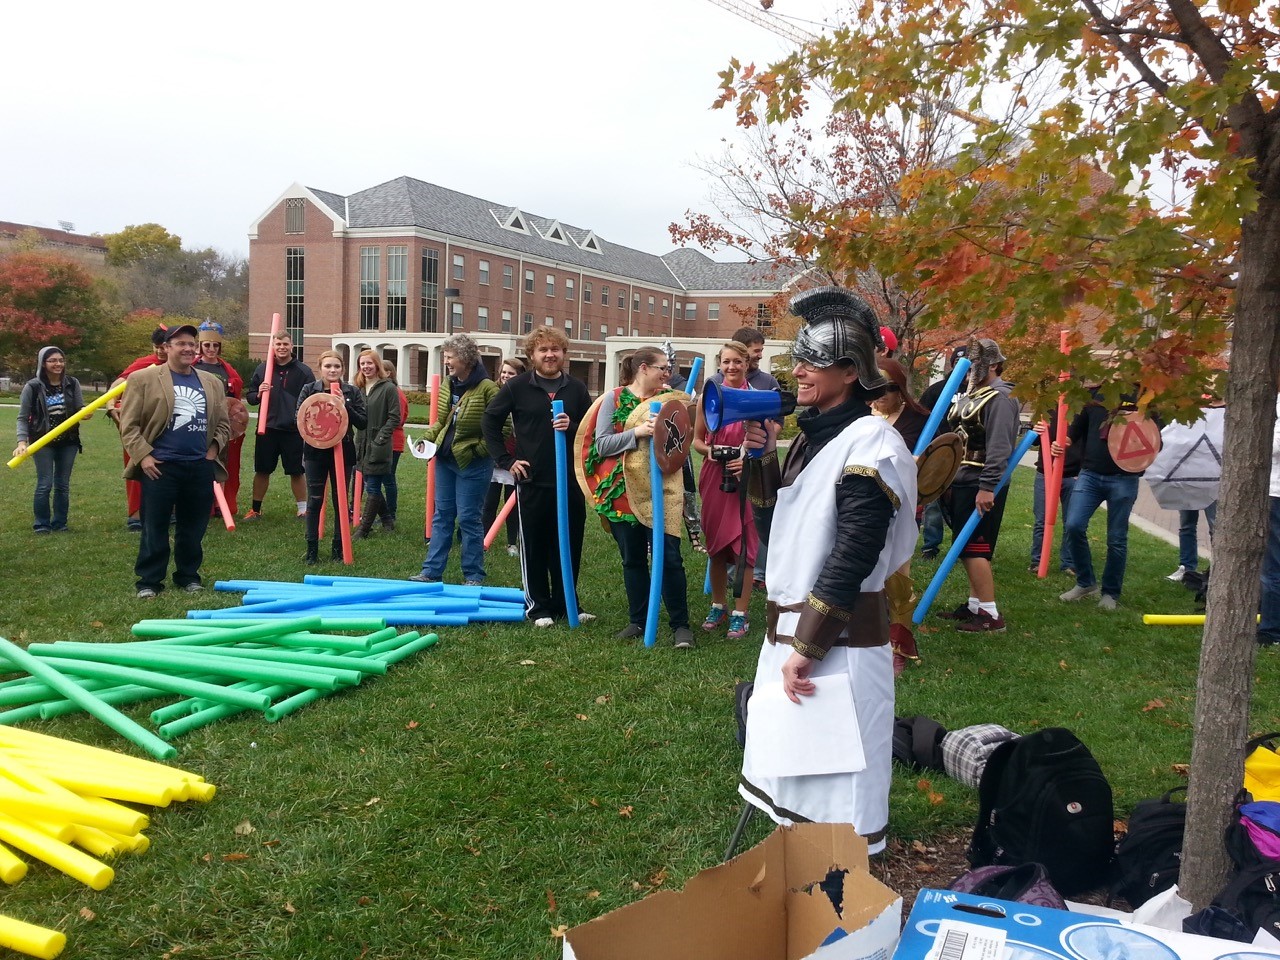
(868, 622)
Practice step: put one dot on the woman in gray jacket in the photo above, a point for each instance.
(49, 398)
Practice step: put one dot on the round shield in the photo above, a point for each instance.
(1134, 442)
(672, 436)
(322, 420)
(937, 466)
(238, 414)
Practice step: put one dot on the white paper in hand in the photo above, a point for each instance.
(820, 735)
(422, 449)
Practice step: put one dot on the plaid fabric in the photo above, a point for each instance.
(965, 751)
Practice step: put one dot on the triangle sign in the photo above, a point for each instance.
(1193, 463)
(1134, 443)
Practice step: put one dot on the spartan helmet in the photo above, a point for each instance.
(838, 326)
(984, 355)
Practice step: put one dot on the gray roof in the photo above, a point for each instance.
(406, 202)
(697, 271)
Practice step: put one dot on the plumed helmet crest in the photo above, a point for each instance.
(838, 325)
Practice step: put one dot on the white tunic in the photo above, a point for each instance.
(800, 542)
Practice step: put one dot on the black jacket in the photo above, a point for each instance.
(529, 408)
(286, 391)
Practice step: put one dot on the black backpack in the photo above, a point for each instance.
(917, 743)
(1149, 857)
(1253, 896)
(1043, 798)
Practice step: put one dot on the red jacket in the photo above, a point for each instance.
(397, 435)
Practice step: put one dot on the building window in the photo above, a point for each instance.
(528, 281)
(506, 321)
(604, 296)
(430, 291)
(679, 308)
(294, 301)
(458, 266)
(586, 293)
(762, 311)
(666, 307)
(397, 288)
(651, 305)
(568, 288)
(527, 326)
(691, 311)
(551, 322)
(622, 299)
(457, 316)
(586, 330)
(551, 285)
(508, 276)
(713, 311)
(295, 209)
(568, 329)
(619, 331)
(482, 318)
(370, 301)
(635, 302)
(484, 272)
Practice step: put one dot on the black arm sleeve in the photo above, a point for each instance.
(491, 425)
(863, 514)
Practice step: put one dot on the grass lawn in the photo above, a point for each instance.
(511, 780)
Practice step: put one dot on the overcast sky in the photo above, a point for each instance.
(198, 116)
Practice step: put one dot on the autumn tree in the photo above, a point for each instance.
(1139, 97)
(140, 242)
(44, 299)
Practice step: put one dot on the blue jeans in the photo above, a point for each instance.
(460, 499)
(1119, 491)
(933, 526)
(375, 485)
(1188, 525)
(1269, 627)
(1037, 532)
(53, 475)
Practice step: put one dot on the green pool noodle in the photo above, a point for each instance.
(171, 711)
(148, 678)
(31, 690)
(128, 693)
(253, 631)
(326, 623)
(104, 712)
(324, 661)
(21, 714)
(183, 661)
(168, 636)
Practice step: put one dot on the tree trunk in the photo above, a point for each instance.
(1225, 684)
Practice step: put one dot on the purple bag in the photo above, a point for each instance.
(1025, 883)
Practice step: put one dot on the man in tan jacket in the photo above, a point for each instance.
(174, 427)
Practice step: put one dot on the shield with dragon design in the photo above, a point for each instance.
(322, 420)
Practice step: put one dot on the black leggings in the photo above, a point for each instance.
(318, 466)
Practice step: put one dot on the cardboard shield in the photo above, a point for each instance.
(238, 414)
(322, 420)
(672, 436)
(937, 466)
(1133, 443)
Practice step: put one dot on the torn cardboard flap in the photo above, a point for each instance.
(776, 901)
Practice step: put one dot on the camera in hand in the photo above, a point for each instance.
(724, 456)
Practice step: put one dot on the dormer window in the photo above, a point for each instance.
(514, 221)
(555, 233)
(589, 242)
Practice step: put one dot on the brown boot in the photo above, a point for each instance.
(387, 517)
(373, 506)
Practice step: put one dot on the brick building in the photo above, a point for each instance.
(89, 251)
(400, 266)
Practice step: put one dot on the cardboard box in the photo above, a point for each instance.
(783, 899)
(960, 926)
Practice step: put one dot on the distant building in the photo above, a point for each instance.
(400, 266)
(89, 251)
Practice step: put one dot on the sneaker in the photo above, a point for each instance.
(584, 617)
(929, 553)
(43, 530)
(683, 638)
(961, 614)
(513, 551)
(247, 518)
(739, 626)
(759, 585)
(423, 578)
(629, 632)
(982, 622)
(714, 619)
(193, 587)
(146, 593)
(302, 514)
(1079, 593)
(1178, 574)
(543, 622)
(473, 583)
(1107, 602)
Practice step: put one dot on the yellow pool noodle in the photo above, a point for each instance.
(82, 414)
(98, 842)
(60, 856)
(29, 939)
(1175, 619)
(89, 811)
(47, 752)
(63, 830)
(137, 843)
(12, 869)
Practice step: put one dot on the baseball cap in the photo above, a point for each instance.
(890, 339)
(185, 328)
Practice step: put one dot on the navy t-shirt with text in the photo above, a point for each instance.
(186, 437)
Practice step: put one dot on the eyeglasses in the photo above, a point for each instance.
(665, 369)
